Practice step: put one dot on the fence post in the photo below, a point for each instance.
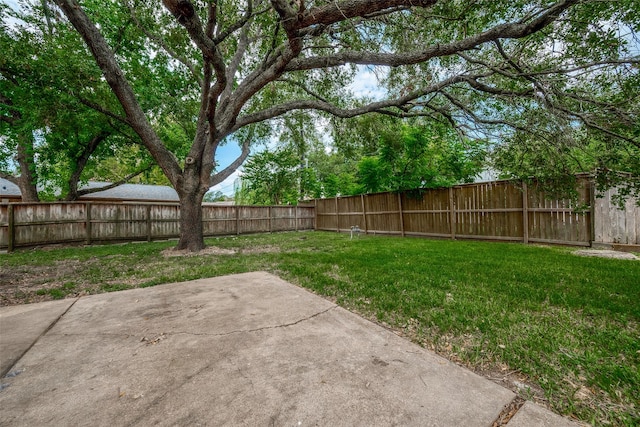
(87, 208)
(401, 216)
(592, 211)
(148, 223)
(337, 215)
(364, 214)
(237, 220)
(270, 215)
(295, 214)
(315, 214)
(11, 231)
(525, 213)
(452, 213)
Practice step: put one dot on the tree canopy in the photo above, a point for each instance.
(517, 71)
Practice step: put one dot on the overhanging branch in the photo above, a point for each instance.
(511, 30)
(382, 107)
(124, 180)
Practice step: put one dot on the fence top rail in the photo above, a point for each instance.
(90, 202)
(134, 203)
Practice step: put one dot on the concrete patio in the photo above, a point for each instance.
(246, 350)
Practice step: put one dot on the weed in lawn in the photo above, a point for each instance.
(114, 287)
(69, 286)
(57, 293)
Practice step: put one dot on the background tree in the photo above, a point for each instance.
(18, 108)
(272, 177)
(216, 196)
(482, 66)
(301, 134)
(420, 156)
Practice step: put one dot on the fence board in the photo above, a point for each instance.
(219, 220)
(555, 221)
(326, 214)
(383, 213)
(33, 224)
(613, 225)
(427, 214)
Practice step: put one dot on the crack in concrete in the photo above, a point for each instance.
(147, 333)
(264, 328)
(508, 412)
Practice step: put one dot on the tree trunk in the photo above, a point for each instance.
(191, 230)
(26, 161)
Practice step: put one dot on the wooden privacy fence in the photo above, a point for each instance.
(32, 224)
(501, 210)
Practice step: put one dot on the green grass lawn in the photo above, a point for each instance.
(551, 325)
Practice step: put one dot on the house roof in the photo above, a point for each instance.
(124, 192)
(131, 192)
(9, 189)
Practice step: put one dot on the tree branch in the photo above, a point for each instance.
(161, 43)
(101, 109)
(81, 163)
(234, 65)
(185, 14)
(341, 11)
(327, 107)
(512, 30)
(248, 15)
(226, 172)
(303, 87)
(11, 178)
(124, 180)
(474, 83)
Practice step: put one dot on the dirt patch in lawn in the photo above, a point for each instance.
(33, 283)
(214, 250)
(606, 254)
(209, 250)
(267, 249)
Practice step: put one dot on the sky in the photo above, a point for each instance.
(11, 3)
(365, 84)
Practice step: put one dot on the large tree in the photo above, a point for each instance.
(478, 65)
